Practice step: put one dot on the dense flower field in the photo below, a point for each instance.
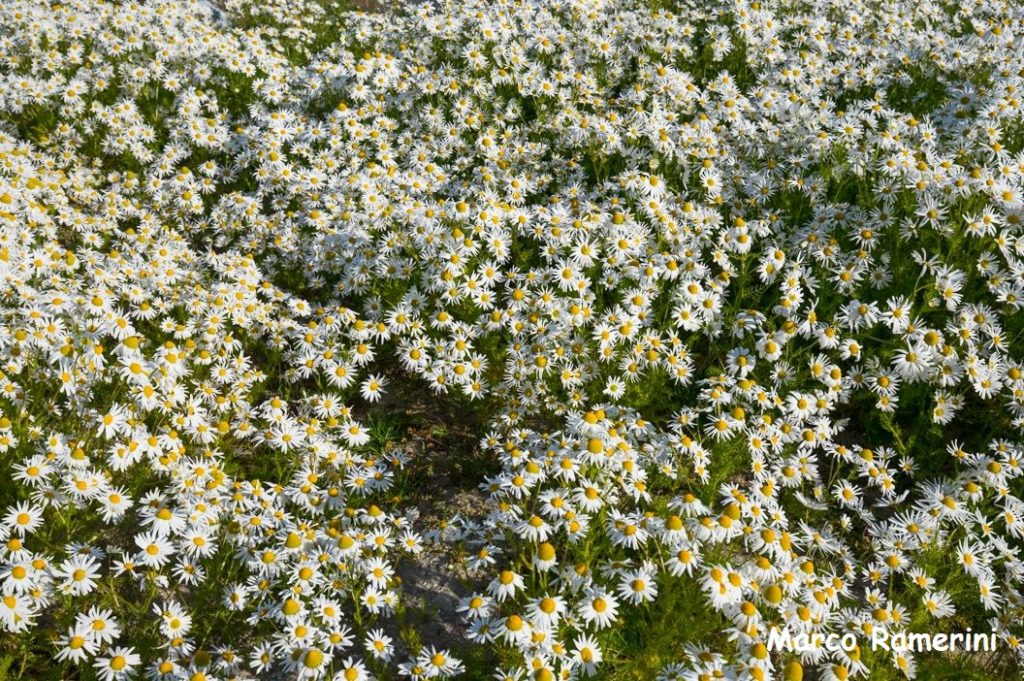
(735, 288)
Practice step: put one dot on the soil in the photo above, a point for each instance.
(440, 434)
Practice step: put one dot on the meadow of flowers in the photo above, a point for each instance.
(734, 288)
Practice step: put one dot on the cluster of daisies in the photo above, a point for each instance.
(737, 286)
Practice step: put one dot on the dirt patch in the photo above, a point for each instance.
(367, 5)
(433, 585)
(441, 435)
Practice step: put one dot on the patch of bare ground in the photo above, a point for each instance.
(440, 434)
(367, 5)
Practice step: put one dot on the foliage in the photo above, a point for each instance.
(716, 307)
